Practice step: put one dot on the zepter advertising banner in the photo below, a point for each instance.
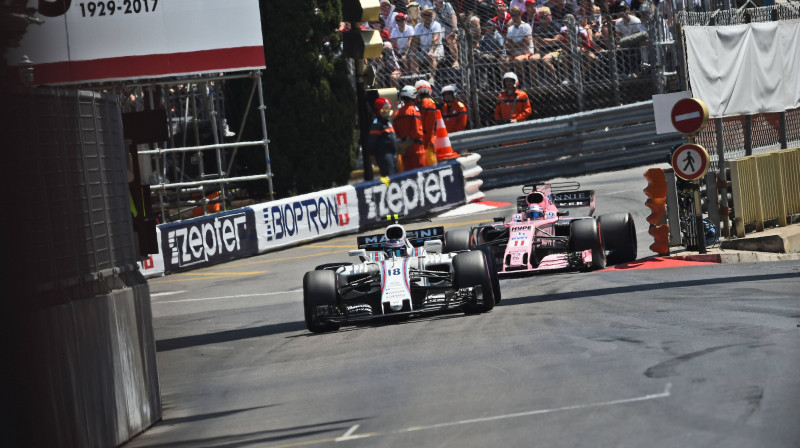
(88, 40)
(208, 240)
(412, 194)
(306, 217)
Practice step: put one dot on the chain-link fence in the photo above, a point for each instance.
(741, 136)
(585, 62)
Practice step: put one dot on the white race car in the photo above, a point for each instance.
(398, 273)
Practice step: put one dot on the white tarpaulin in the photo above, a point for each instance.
(745, 69)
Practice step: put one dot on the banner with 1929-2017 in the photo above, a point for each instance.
(411, 194)
(102, 40)
(306, 217)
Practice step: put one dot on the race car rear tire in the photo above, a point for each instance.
(470, 269)
(487, 251)
(585, 235)
(618, 233)
(455, 240)
(319, 289)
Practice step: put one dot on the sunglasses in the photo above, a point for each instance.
(399, 20)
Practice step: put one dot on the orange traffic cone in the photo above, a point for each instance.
(442, 144)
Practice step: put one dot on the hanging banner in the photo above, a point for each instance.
(102, 40)
(306, 217)
(745, 69)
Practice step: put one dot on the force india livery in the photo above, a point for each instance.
(540, 237)
(399, 273)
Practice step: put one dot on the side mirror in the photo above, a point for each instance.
(433, 246)
(564, 213)
(499, 219)
(360, 253)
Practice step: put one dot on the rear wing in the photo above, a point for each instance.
(563, 195)
(417, 238)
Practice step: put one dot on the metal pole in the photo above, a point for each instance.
(212, 111)
(698, 219)
(721, 179)
(261, 109)
(241, 127)
(363, 118)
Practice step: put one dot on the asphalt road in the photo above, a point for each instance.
(692, 356)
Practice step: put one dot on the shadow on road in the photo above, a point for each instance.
(645, 287)
(261, 437)
(165, 345)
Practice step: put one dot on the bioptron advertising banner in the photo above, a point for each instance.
(83, 40)
(306, 217)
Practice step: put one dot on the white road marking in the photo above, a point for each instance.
(167, 293)
(232, 297)
(349, 434)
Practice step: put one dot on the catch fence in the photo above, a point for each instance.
(573, 75)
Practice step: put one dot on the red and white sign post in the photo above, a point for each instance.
(689, 116)
(690, 161)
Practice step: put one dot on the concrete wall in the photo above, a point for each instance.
(78, 353)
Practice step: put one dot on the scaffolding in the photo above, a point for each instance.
(197, 130)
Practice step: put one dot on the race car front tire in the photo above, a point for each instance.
(471, 269)
(493, 271)
(585, 234)
(456, 240)
(319, 289)
(619, 237)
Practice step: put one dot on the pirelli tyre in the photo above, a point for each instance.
(490, 261)
(319, 289)
(584, 234)
(456, 240)
(618, 233)
(470, 269)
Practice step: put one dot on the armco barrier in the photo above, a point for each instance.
(765, 187)
(412, 194)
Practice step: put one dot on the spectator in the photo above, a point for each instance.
(454, 112)
(400, 6)
(446, 16)
(519, 4)
(427, 110)
(630, 33)
(408, 128)
(401, 39)
(427, 37)
(382, 141)
(490, 46)
(559, 9)
(387, 69)
(513, 104)
(503, 19)
(486, 10)
(388, 14)
(585, 44)
(529, 15)
(547, 40)
(519, 43)
(413, 14)
(465, 9)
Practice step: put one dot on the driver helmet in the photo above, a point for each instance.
(535, 212)
(395, 248)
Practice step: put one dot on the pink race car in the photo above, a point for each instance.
(540, 237)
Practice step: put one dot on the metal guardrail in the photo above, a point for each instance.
(571, 145)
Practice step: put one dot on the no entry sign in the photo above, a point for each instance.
(689, 115)
(690, 161)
